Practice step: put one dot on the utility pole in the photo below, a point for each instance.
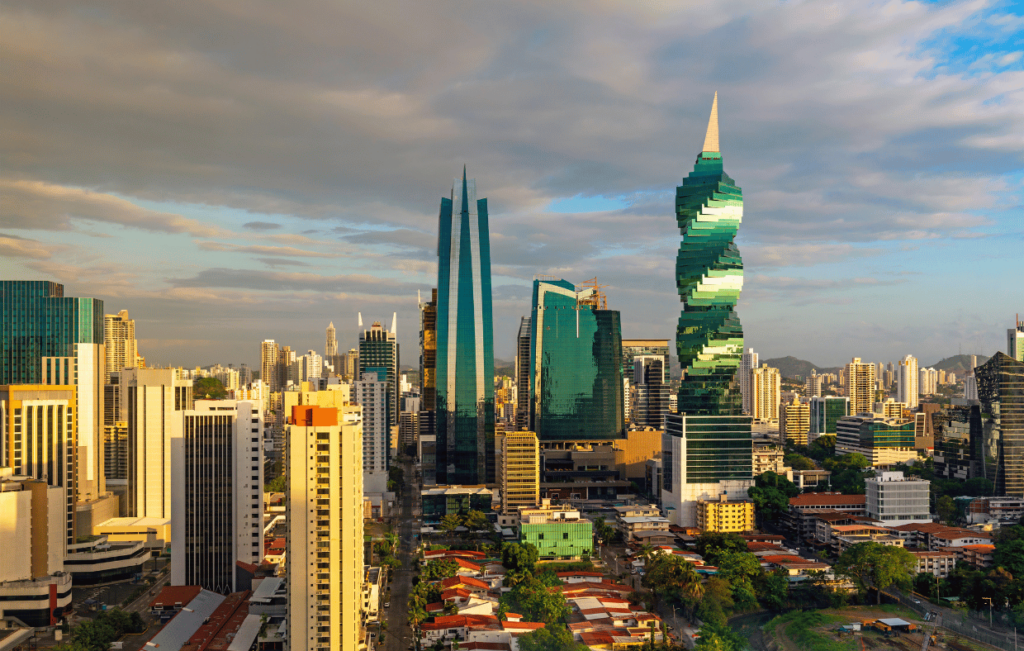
(989, 600)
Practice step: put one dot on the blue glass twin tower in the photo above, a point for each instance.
(465, 341)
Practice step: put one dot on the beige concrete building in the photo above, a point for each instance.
(766, 385)
(520, 471)
(122, 347)
(325, 521)
(725, 516)
(795, 421)
(269, 353)
(860, 386)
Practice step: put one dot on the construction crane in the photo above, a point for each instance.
(598, 299)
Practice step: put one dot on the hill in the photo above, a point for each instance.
(958, 364)
(790, 366)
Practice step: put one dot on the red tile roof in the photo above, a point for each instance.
(526, 626)
(464, 564)
(464, 580)
(172, 595)
(786, 559)
(827, 499)
(222, 624)
(568, 574)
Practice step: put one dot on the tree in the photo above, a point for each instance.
(772, 589)
(275, 485)
(740, 569)
(871, 564)
(603, 530)
(770, 494)
(536, 603)
(717, 602)
(669, 571)
(478, 521)
(946, 508)
(709, 544)
(209, 387)
(519, 557)
(978, 487)
(440, 569)
(1010, 555)
(451, 522)
(549, 638)
(799, 462)
(714, 637)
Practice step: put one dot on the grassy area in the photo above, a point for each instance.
(799, 628)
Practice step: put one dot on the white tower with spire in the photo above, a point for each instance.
(332, 341)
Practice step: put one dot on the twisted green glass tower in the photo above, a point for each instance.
(709, 276)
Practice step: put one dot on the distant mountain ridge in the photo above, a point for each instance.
(790, 366)
(958, 364)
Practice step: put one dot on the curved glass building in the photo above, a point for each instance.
(465, 348)
(575, 364)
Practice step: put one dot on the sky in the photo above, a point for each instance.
(236, 170)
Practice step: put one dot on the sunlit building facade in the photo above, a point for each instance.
(1001, 393)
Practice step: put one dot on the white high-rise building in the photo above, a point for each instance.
(310, 366)
(216, 493)
(766, 393)
(1015, 341)
(324, 503)
(269, 362)
(812, 385)
(928, 381)
(371, 393)
(748, 362)
(151, 402)
(860, 386)
(907, 378)
(331, 349)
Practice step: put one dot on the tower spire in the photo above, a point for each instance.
(711, 138)
(465, 190)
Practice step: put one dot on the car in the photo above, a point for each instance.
(917, 601)
(387, 604)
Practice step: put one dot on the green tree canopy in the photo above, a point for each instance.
(439, 569)
(871, 564)
(710, 543)
(451, 522)
(519, 557)
(550, 638)
(770, 494)
(537, 603)
(478, 521)
(209, 387)
(799, 462)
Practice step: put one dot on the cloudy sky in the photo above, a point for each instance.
(235, 170)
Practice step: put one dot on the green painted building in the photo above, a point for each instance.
(557, 535)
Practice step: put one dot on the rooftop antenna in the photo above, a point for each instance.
(360, 319)
(394, 323)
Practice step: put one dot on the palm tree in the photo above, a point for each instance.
(646, 553)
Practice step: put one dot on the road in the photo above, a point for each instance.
(399, 635)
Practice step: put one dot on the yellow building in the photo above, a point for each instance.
(795, 421)
(325, 521)
(860, 386)
(766, 384)
(723, 516)
(632, 453)
(520, 471)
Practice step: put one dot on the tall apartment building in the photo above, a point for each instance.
(651, 391)
(907, 382)
(520, 471)
(523, 394)
(795, 421)
(896, 500)
(428, 353)
(151, 404)
(928, 382)
(122, 349)
(890, 409)
(575, 363)
(38, 439)
(825, 413)
(378, 353)
(1001, 392)
(371, 393)
(766, 393)
(269, 353)
(324, 507)
(331, 347)
(860, 386)
(216, 494)
(1015, 341)
(115, 434)
(812, 385)
(748, 362)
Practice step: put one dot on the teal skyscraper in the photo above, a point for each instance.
(465, 348)
(575, 364)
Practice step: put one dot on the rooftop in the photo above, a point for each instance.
(175, 595)
(177, 633)
(827, 499)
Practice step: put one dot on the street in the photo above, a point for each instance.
(399, 636)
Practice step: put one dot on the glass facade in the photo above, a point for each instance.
(1001, 393)
(826, 412)
(576, 365)
(378, 353)
(465, 343)
(37, 321)
(717, 448)
(958, 439)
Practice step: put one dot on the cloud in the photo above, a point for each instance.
(20, 247)
(38, 205)
(261, 226)
(285, 251)
(277, 281)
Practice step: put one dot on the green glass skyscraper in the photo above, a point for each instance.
(706, 448)
(465, 348)
(575, 364)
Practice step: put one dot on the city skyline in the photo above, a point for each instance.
(856, 197)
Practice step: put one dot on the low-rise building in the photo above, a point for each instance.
(631, 525)
(811, 478)
(883, 442)
(98, 561)
(725, 516)
(893, 499)
(979, 557)
(804, 507)
(768, 456)
(459, 500)
(556, 532)
(373, 592)
(934, 536)
(1000, 509)
(939, 563)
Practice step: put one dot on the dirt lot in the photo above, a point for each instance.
(874, 640)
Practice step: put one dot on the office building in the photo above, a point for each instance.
(860, 386)
(795, 422)
(520, 471)
(151, 404)
(812, 385)
(895, 500)
(331, 347)
(882, 442)
(324, 507)
(650, 391)
(706, 448)
(958, 442)
(287, 369)
(1001, 394)
(452, 499)
(378, 353)
(907, 380)
(576, 364)
(371, 393)
(428, 353)
(523, 342)
(725, 516)
(766, 393)
(39, 441)
(122, 349)
(631, 349)
(216, 495)
(465, 340)
(825, 413)
(748, 362)
(310, 367)
(558, 533)
(33, 585)
(1015, 341)
(890, 409)
(269, 354)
